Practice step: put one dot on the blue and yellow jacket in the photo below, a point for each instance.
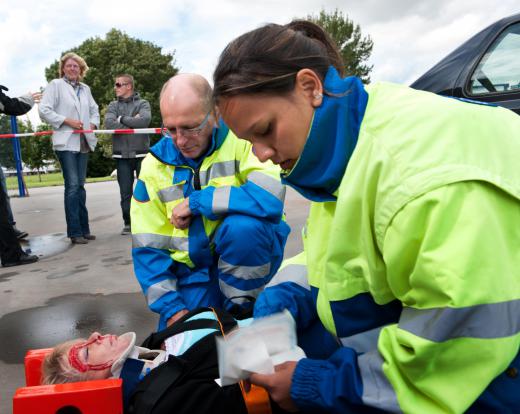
(228, 179)
(411, 255)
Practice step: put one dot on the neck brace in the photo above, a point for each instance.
(133, 351)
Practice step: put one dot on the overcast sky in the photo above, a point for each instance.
(409, 35)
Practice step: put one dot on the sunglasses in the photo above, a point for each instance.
(118, 85)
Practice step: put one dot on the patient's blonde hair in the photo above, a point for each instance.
(56, 368)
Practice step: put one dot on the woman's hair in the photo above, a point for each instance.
(83, 68)
(267, 59)
(56, 368)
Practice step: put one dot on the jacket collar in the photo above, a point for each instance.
(332, 139)
(166, 151)
(135, 96)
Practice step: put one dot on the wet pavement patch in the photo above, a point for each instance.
(47, 245)
(6, 276)
(111, 259)
(61, 275)
(73, 316)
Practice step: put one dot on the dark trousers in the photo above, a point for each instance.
(74, 169)
(125, 177)
(3, 183)
(10, 249)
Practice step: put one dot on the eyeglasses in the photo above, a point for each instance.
(81, 366)
(187, 132)
(118, 85)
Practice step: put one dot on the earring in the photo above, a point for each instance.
(318, 95)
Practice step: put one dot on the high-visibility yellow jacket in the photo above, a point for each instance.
(228, 180)
(414, 264)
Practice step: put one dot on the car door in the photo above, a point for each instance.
(496, 76)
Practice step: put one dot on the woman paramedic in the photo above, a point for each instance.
(412, 243)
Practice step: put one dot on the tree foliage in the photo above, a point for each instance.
(37, 151)
(355, 48)
(113, 55)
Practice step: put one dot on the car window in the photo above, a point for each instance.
(499, 69)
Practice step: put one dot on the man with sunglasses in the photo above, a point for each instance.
(207, 215)
(128, 111)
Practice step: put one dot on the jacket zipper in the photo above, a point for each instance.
(196, 178)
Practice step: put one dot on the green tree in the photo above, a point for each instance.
(355, 48)
(108, 57)
(6, 144)
(37, 151)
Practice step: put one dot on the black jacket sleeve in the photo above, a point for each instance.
(13, 106)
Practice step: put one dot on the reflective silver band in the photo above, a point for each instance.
(154, 292)
(244, 272)
(363, 341)
(171, 193)
(219, 169)
(493, 320)
(230, 292)
(158, 241)
(377, 391)
(268, 183)
(220, 204)
(294, 273)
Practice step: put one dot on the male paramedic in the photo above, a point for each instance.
(207, 216)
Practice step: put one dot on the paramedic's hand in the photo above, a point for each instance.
(181, 215)
(278, 385)
(176, 317)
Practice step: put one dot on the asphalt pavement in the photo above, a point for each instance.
(74, 290)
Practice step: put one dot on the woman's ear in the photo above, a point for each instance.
(216, 111)
(309, 84)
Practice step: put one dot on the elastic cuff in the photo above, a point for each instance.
(304, 389)
(173, 310)
(195, 203)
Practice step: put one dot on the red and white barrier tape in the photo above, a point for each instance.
(88, 131)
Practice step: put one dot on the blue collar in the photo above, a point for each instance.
(166, 151)
(332, 138)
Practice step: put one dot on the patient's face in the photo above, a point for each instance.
(97, 354)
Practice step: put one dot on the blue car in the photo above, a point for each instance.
(485, 68)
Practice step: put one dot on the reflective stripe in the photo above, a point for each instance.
(158, 241)
(220, 204)
(171, 193)
(219, 169)
(154, 292)
(363, 341)
(231, 292)
(494, 320)
(294, 273)
(377, 391)
(244, 272)
(268, 183)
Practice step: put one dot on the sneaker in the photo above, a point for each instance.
(78, 240)
(19, 233)
(89, 236)
(126, 229)
(23, 259)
